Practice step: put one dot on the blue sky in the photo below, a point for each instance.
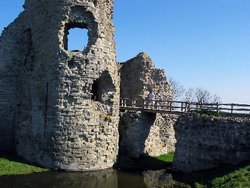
(200, 43)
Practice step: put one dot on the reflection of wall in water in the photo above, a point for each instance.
(96, 179)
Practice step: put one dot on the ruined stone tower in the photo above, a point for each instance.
(143, 133)
(60, 108)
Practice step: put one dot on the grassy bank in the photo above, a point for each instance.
(168, 158)
(228, 177)
(12, 167)
(237, 178)
(153, 163)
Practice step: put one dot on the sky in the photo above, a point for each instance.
(200, 43)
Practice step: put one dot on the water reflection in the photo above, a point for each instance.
(98, 179)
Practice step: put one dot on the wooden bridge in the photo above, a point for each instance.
(176, 107)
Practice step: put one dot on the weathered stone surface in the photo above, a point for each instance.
(57, 100)
(205, 142)
(161, 138)
(60, 108)
(145, 133)
(139, 76)
(134, 130)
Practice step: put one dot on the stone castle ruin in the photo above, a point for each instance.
(140, 132)
(56, 102)
(60, 108)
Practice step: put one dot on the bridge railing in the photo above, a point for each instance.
(183, 106)
(154, 105)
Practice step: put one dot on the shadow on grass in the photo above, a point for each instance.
(141, 164)
(151, 163)
(206, 177)
(12, 156)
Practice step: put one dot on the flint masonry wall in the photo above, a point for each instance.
(144, 133)
(64, 105)
(139, 76)
(14, 43)
(205, 142)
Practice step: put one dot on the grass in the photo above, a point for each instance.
(147, 163)
(11, 167)
(239, 178)
(166, 157)
(221, 178)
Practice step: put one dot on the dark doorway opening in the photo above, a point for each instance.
(103, 88)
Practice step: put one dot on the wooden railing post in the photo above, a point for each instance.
(155, 105)
(168, 104)
(121, 103)
(232, 108)
(189, 106)
(217, 107)
(181, 106)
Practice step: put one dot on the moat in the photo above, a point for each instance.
(97, 179)
(145, 172)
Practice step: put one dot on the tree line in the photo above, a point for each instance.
(192, 94)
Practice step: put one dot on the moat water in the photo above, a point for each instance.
(98, 179)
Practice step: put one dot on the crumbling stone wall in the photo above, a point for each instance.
(139, 76)
(64, 105)
(14, 52)
(161, 137)
(205, 142)
(145, 133)
(134, 130)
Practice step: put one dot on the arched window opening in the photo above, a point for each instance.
(103, 88)
(77, 39)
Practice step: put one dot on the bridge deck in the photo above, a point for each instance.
(178, 107)
(150, 110)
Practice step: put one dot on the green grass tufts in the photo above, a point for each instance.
(9, 167)
(238, 178)
(166, 157)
